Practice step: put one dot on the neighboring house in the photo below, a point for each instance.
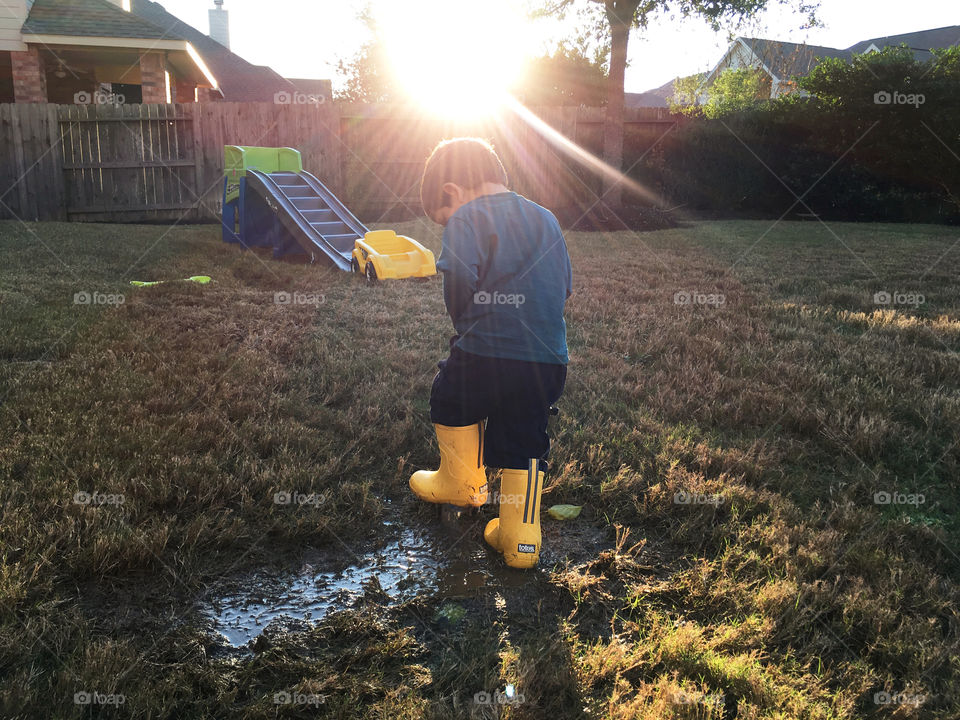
(313, 91)
(66, 51)
(658, 97)
(780, 62)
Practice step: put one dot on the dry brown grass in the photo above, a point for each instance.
(795, 596)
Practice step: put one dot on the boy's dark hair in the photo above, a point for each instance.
(467, 162)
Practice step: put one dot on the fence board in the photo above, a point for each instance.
(54, 167)
(193, 109)
(20, 163)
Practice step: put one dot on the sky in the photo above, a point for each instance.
(306, 38)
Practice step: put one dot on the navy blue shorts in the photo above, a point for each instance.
(513, 396)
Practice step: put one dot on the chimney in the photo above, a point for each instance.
(122, 4)
(220, 24)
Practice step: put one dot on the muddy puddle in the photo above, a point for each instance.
(446, 562)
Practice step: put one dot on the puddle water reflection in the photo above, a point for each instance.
(445, 563)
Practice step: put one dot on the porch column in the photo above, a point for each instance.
(184, 91)
(29, 80)
(153, 79)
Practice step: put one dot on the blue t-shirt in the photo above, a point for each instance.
(506, 279)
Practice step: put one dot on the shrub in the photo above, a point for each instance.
(873, 139)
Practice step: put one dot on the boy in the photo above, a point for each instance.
(506, 279)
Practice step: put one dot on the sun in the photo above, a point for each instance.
(455, 58)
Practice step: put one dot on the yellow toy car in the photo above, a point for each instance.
(383, 254)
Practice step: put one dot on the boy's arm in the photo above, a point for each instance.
(459, 262)
(566, 260)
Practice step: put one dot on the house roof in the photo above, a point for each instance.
(786, 59)
(239, 80)
(91, 18)
(312, 86)
(921, 42)
(658, 97)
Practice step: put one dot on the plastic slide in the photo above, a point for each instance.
(270, 201)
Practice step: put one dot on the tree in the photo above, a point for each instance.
(734, 90)
(686, 95)
(569, 76)
(621, 16)
(369, 76)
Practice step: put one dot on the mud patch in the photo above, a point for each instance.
(399, 570)
(439, 562)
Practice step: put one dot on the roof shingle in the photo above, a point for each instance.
(95, 18)
(921, 42)
(786, 59)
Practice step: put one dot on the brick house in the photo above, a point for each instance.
(67, 51)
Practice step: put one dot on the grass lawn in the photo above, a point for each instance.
(737, 555)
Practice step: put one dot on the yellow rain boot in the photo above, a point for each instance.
(516, 533)
(461, 479)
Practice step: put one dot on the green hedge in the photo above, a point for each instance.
(845, 151)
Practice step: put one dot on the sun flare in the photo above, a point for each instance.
(455, 58)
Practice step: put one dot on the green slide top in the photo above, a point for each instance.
(237, 160)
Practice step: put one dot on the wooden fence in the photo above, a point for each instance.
(163, 163)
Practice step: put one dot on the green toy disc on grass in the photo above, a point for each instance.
(199, 279)
(565, 512)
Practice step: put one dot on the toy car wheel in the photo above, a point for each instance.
(354, 265)
(371, 272)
